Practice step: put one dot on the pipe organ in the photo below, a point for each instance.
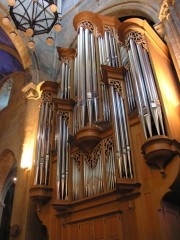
(86, 141)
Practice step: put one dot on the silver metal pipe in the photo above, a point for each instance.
(152, 95)
(38, 143)
(59, 154)
(48, 146)
(103, 101)
(138, 71)
(62, 80)
(75, 77)
(154, 90)
(66, 82)
(128, 92)
(69, 82)
(100, 51)
(43, 143)
(108, 61)
(121, 132)
(82, 71)
(115, 120)
(88, 61)
(67, 164)
(142, 105)
(94, 77)
(126, 137)
(115, 52)
(132, 95)
(112, 55)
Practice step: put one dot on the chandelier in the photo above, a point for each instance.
(34, 17)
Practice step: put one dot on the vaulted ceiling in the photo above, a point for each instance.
(10, 61)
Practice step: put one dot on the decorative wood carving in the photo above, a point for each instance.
(93, 18)
(159, 150)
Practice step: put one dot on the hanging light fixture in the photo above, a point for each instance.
(34, 17)
(6, 20)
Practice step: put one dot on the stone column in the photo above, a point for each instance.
(171, 22)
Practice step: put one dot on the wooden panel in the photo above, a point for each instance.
(129, 223)
(112, 228)
(74, 232)
(63, 232)
(86, 230)
(99, 229)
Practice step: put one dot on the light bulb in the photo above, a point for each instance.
(57, 27)
(53, 8)
(13, 34)
(31, 44)
(6, 20)
(29, 32)
(49, 41)
(11, 2)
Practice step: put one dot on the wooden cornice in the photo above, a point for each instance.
(40, 194)
(64, 104)
(88, 16)
(110, 21)
(50, 87)
(114, 73)
(66, 52)
(136, 24)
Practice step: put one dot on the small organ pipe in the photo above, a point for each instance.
(115, 52)
(107, 48)
(111, 50)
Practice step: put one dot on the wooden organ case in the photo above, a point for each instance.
(109, 104)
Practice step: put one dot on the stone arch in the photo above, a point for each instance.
(17, 41)
(8, 167)
(133, 9)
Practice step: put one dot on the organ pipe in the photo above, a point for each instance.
(62, 156)
(147, 97)
(43, 141)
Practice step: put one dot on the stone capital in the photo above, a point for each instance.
(164, 10)
(30, 91)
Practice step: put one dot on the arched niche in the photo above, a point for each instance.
(8, 167)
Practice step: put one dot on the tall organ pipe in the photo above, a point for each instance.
(43, 144)
(151, 89)
(140, 90)
(147, 96)
(87, 105)
(62, 158)
(121, 134)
